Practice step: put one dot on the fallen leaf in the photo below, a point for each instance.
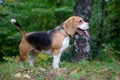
(73, 71)
(18, 75)
(27, 76)
(42, 69)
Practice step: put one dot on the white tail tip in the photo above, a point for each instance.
(13, 21)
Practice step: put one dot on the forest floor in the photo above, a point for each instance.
(83, 70)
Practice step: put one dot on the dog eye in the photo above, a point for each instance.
(80, 20)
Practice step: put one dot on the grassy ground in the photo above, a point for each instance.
(83, 70)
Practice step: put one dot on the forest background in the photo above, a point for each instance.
(43, 15)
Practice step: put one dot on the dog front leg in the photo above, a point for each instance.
(56, 61)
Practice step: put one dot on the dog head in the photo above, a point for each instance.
(74, 23)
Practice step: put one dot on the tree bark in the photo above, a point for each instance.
(81, 45)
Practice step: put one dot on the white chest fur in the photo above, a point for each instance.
(65, 44)
(56, 58)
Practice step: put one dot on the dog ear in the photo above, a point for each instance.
(69, 27)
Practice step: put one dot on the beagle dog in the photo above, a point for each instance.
(53, 41)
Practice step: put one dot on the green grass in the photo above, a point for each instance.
(83, 70)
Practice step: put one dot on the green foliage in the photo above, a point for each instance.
(110, 31)
(110, 52)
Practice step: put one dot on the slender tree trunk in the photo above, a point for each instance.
(81, 46)
(100, 29)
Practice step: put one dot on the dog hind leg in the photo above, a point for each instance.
(33, 56)
(24, 51)
(23, 55)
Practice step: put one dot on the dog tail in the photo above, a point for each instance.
(21, 30)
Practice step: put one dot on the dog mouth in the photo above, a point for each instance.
(86, 32)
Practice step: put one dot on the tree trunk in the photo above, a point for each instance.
(100, 29)
(81, 46)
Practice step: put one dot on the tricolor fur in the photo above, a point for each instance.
(53, 41)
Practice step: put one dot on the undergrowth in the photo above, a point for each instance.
(83, 70)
